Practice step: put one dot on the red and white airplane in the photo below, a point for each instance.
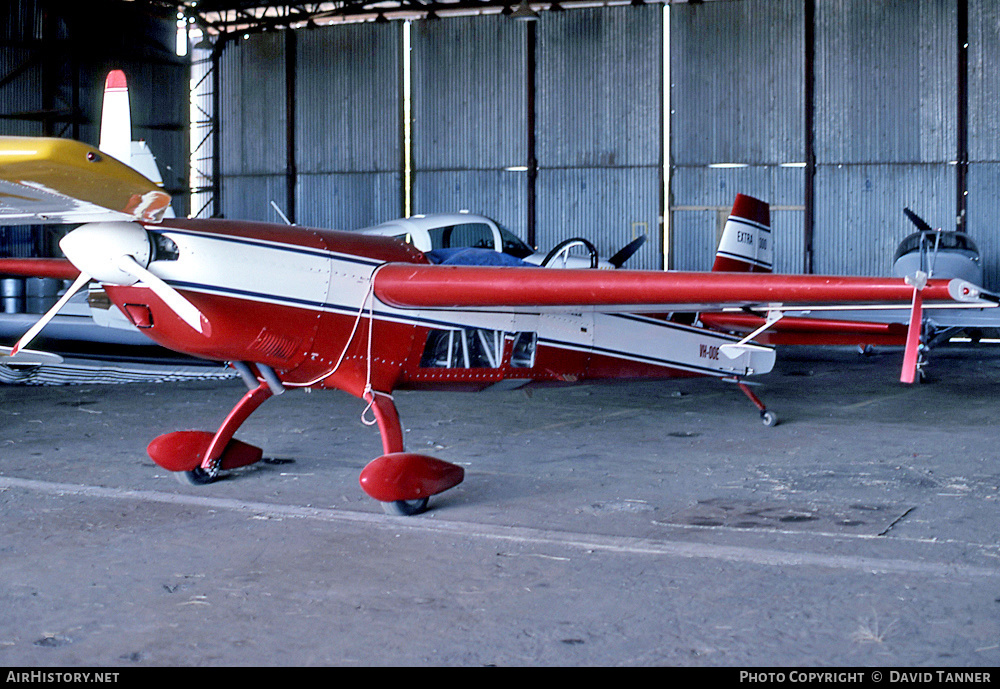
(294, 307)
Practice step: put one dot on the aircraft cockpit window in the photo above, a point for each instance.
(476, 348)
(469, 348)
(465, 235)
(523, 353)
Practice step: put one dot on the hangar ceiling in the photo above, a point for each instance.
(224, 17)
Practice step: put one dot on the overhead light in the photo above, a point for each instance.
(205, 43)
(524, 13)
(726, 166)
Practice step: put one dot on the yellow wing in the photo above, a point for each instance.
(47, 180)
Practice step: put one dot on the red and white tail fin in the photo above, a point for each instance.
(116, 118)
(745, 246)
(116, 132)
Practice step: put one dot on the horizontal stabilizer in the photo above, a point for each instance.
(735, 350)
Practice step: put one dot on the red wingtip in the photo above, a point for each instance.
(749, 208)
(115, 80)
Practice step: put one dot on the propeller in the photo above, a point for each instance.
(118, 253)
(625, 253)
(115, 253)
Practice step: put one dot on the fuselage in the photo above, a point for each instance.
(300, 301)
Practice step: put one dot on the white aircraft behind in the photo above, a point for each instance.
(441, 235)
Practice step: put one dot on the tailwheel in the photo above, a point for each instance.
(767, 417)
(405, 508)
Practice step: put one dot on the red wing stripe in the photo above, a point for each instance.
(438, 286)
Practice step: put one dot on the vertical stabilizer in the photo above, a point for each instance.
(116, 118)
(745, 246)
(116, 132)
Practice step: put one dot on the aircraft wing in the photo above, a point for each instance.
(46, 180)
(58, 268)
(538, 289)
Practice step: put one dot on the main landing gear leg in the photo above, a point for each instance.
(403, 481)
(768, 418)
(197, 457)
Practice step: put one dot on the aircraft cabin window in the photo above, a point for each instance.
(465, 235)
(513, 245)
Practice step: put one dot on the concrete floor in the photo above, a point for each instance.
(640, 524)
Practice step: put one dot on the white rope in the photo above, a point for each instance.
(368, 364)
(350, 338)
(369, 300)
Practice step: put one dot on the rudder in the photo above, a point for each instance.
(745, 246)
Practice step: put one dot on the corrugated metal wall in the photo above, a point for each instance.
(885, 127)
(347, 141)
(984, 134)
(885, 133)
(599, 121)
(736, 98)
(470, 118)
(252, 127)
(347, 130)
(22, 94)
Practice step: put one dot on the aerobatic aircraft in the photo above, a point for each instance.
(295, 307)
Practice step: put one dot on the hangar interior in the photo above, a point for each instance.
(604, 120)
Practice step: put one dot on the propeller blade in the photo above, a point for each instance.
(81, 280)
(625, 253)
(917, 220)
(171, 297)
